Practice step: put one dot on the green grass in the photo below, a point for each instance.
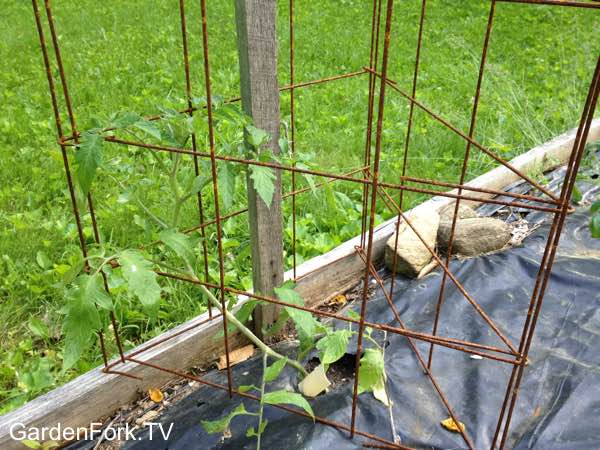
(126, 56)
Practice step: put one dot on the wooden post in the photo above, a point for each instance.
(257, 47)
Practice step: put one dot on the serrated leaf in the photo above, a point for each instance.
(199, 183)
(353, 314)
(226, 181)
(333, 346)
(82, 319)
(263, 180)
(38, 328)
(148, 127)
(291, 398)
(221, 425)
(273, 371)
(180, 243)
(242, 314)
(371, 371)
(88, 158)
(141, 280)
(246, 388)
(125, 119)
(305, 323)
(595, 225)
(256, 137)
(251, 432)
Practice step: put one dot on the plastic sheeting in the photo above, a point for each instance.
(559, 401)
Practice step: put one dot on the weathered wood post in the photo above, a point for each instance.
(257, 48)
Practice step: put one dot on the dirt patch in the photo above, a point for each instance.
(339, 373)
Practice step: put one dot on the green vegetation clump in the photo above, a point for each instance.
(126, 56)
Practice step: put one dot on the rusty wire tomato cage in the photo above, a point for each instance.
(368, 175)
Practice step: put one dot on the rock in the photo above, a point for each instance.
(412, 255)
(474, 236)
(464, 212)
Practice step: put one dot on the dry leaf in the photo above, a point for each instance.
(156, 395)
(236, 356)
(450, 424)
(340, 300)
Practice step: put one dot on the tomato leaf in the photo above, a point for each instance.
(263, 180)
(371, 371)
(221, 425)
(285, 397)
(256, 137)
(333, 346)
(226, 180)
(141, 280)
(273, 371)
(88, 158)
(82, 319)
(180, 243)
(148, 127)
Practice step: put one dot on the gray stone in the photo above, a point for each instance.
(412, 255)
(474, 236)
(464, 212)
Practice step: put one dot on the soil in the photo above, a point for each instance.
(339, 373)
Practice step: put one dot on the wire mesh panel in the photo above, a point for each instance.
(367, 177)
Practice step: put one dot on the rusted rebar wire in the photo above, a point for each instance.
(213, 167)
(463, 173)
(456, 344)
(293, 131)
(56, 111)
(373, 204)
(555, 3)
(327, 174)
(373, 58)
(403, 177)
(457, 283)
(543, 275)
(467, 187)
(247, 395)
(190, 108)
(473, 142)
(155, 117)
(415, 350)
(283, 197)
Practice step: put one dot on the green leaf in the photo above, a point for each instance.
(226, 180)
(353, 314)
(180, 243)
(595, 207)
(577, 195)
(263, 180)
(246, 388)
(199, 183)
(221, 425)
(38, 328)
(251, 432)
(88, 158)
(279, 324)
(82, 319)
(284, 145)
(285, 397)
(333, 346)
(273, 371)
(148, 127)
(256, 137)
(242, 314)
(125, 119)
(141, 280)
(43, 261)
(305, 323)
(371, 371)
(595, 225)
(31, 444)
